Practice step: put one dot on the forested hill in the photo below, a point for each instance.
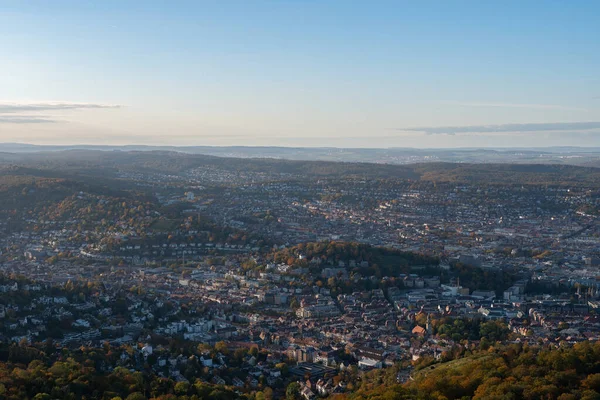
(366, 259)
(544, 174)
(114, 163)
(515, 371)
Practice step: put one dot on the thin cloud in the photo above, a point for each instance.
(515, 105)
(29, 113)
(26, 119)
(9, 108)
(506, 128)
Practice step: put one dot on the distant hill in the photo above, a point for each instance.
(175, 163)
(393, 155)
(108, 166)
(541, 174)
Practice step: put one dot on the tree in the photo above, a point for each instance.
(268, 392)
(590, 395)
(283, 367)
(181, 388)
(221, 347)
(563, 325)
(591, 382)
(294, 304)
(239, 354)
(493, 331)
(136, 396)
(293, 391)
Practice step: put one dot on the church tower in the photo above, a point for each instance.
(428, 326)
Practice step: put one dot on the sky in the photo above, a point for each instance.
(312, 73)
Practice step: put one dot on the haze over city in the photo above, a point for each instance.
(301, 73)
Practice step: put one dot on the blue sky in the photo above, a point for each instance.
(301, 73)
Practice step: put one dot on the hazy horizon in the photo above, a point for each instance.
(431, 75)
(315, 147)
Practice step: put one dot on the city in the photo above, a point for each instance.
(255, 279)
(299, 200)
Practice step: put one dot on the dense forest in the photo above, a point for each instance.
(476, 278)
